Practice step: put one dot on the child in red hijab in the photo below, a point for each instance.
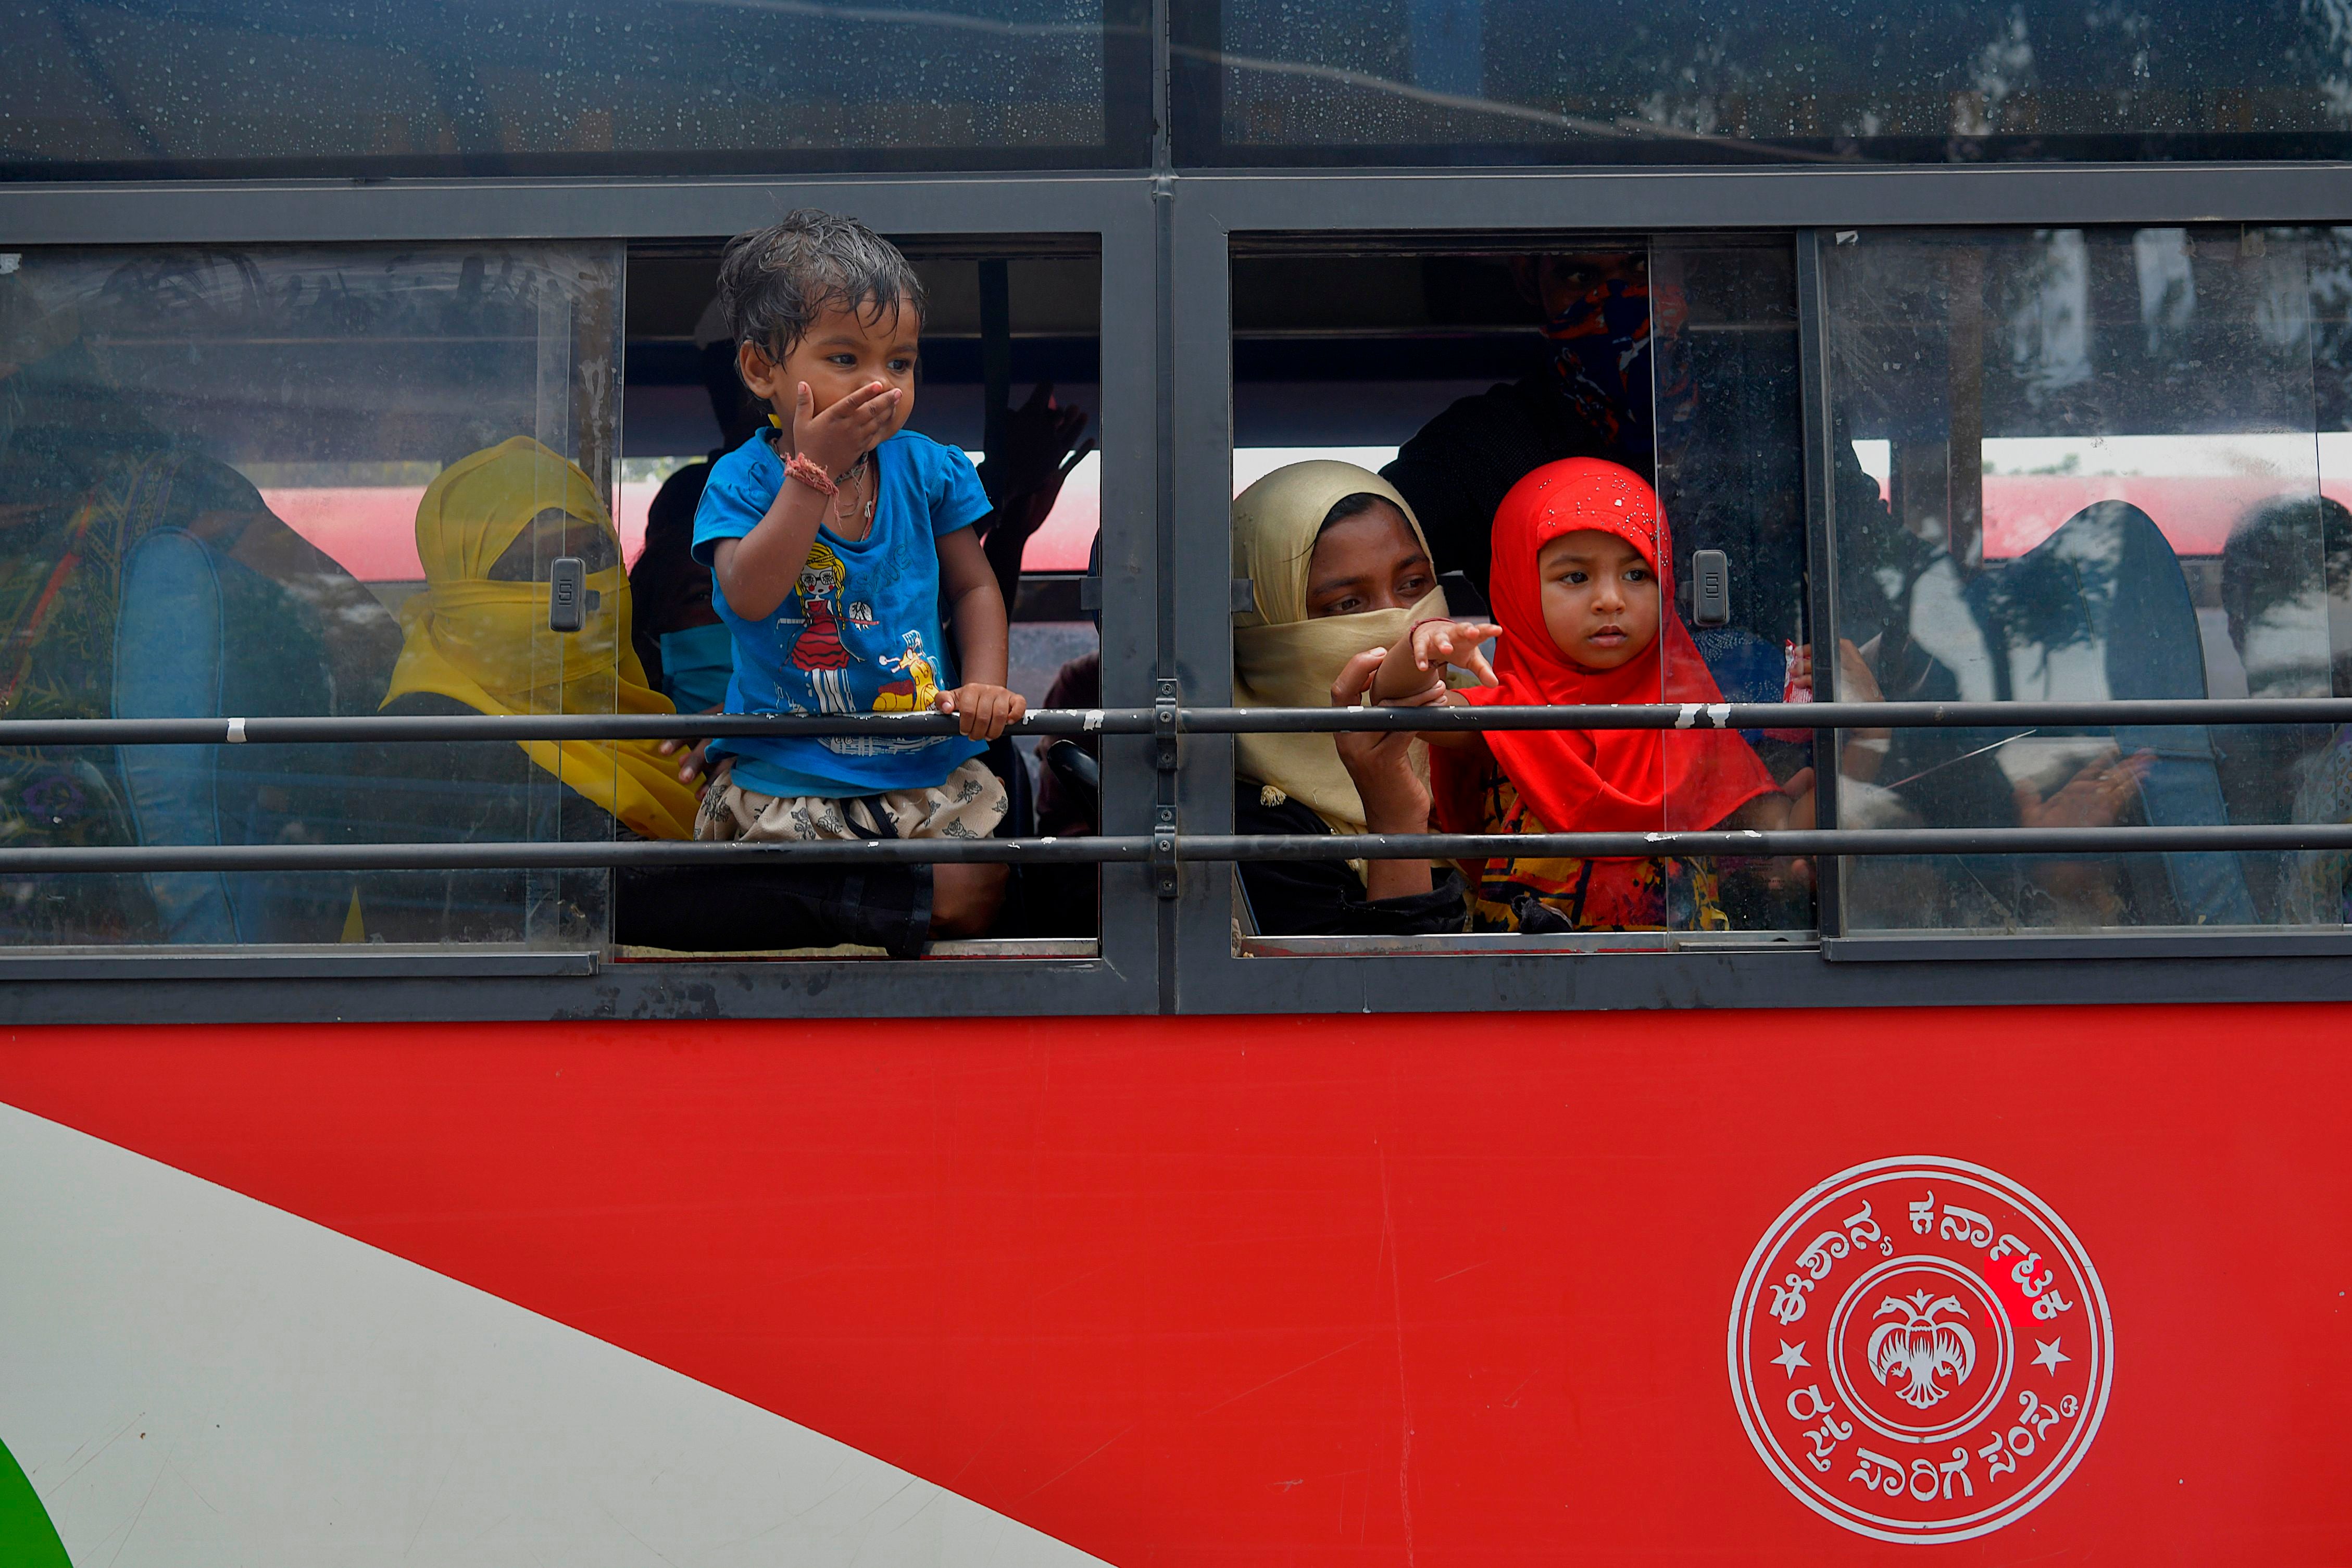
(1583, 588)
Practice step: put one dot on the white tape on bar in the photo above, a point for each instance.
(237, 732)
(1688, 716)
(1094, 719)
(1719, 714)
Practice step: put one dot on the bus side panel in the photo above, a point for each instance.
(1420, 1290)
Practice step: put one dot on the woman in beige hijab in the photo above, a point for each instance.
(1339, 570)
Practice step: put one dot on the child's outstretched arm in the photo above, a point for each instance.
(982, 705)
(1414, 670)
(1416, 662)
(757, 570)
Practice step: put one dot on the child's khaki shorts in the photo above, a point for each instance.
(967, 806)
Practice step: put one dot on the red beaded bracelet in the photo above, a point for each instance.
(798, 467)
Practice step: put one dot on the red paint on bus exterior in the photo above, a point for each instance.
(1397, 1290)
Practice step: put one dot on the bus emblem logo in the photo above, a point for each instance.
(1920, 1350)
(1915, 1350)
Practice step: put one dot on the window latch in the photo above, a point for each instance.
(567, 595)
(1711, 588)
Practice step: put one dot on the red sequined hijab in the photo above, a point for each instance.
(1598, 780)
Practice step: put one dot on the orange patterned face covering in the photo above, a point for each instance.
(1628, 780)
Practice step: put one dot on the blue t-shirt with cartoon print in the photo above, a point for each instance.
(860, 632)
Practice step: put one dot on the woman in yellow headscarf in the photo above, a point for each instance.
(486, 531)
(1339, 570)
(477, 640)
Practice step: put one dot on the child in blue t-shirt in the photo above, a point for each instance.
(841, 544)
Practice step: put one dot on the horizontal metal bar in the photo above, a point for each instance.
(2077, 945)
(1773, 715)
(1202, 847)
(339, 961)
(1588, 198)
(574, 855)
(572, 207)
(1763, 845)
(1196, 721)
(549, 727)
(1500, 200)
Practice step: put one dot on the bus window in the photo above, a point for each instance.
(228, 91)
(1675, 81)
(1387, 408)
(1731, 484)
(2081, 465)
(252, 483)
(1009, 375)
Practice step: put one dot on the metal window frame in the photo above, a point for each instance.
(1165, 242)
(1810, 205)
(1118, 211)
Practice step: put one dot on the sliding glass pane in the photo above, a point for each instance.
(1684, 81)
(2072, 465)
(102, 89)
(291, 483)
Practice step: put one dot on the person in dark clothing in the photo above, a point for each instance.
(1060, 810)
(143, 578)
(1594, 399)
(1340, 572)
(680, 641)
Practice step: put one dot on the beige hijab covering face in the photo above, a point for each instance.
(1282, 659)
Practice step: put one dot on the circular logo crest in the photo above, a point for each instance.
(1920, 1350)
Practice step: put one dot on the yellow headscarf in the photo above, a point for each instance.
(1282, 659)
(487, 643)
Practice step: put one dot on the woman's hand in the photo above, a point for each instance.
(1855, 682)
(1865, 749)
(697, 759)
(853, 425)
(981, 711)
(1379, 764)
(1793, 810)
(1789, 811)
(2095, 798)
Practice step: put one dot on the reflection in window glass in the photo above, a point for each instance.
(1613, 81)
(283, 483)
(1386, 407)
(213, 89)
(2082, 465)
(1731, 480)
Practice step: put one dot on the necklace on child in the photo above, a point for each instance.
(853, 480)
